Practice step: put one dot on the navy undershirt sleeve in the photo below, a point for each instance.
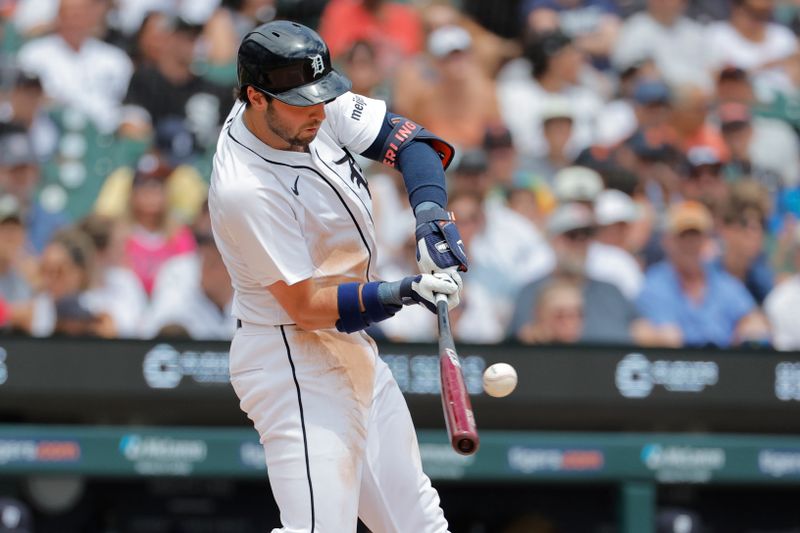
(420, 165)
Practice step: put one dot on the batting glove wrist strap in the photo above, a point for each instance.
(350, 316)
(439, 245)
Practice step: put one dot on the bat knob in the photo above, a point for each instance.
(466, 446)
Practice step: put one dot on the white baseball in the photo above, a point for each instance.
(499, 380)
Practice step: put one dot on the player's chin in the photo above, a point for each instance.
(307, 135)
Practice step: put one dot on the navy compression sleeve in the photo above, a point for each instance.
(420, 165)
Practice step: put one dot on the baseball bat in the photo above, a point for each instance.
(457, 407)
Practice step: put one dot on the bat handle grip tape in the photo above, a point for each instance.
(440, 297)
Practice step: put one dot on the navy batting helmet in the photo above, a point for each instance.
(289, 62)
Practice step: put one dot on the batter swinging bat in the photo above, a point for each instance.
(455, 401)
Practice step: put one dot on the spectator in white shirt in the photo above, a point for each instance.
(782, 306)
(113, 289)
(749, 40)
(507, 242)
(674, 42)
(774, 143)
(482, 315)
(608, 260)
(557, 65)
(199, 304)
(77, 69)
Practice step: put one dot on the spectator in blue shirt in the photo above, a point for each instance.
(607, 317)
(710, 306)
(19, 177)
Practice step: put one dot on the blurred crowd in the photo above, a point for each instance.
(627, 172)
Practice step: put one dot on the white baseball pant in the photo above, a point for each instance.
(336, 431)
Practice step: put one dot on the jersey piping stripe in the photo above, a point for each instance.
(303, 425)
(327, 182)
(348, 185)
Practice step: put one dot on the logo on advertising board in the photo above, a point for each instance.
(15, 451)
(419, 374)
(691, 464)
(3, 366)
(162, 455)
(440, 461)
(787, 381)
(779, 463)
(532, 460)
(636, 376)
(252, 456)
(164, 367)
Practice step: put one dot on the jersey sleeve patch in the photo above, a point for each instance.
(355, 120)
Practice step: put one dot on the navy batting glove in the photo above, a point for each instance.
(439, 245)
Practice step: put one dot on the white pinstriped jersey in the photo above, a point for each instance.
(288, 216)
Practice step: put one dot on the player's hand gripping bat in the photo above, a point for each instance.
(455, 400)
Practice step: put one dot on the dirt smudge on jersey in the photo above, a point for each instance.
(341, 264)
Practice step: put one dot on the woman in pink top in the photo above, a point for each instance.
(154, 236)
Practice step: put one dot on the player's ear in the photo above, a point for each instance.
(257, 99)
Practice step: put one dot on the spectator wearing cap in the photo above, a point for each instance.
(749, 40)
(742, 232)
(593, 24)
(24, 104)
(154, 235)
(782, 303)
(709, 307)
(19, 177)
(502, 155)
(557, 129)
(608, 259)
(184, 110)
(608, 317)
(664, 34)
(457, 100)
(736, 124)
(703, 180)
(77, 69)
(393, 28)
(652, 103)
(114, 288)
(774, 142)
(556, 68)
(647, 106)
(577, 184)
(650, 154)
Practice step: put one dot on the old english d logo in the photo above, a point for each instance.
(317, 64)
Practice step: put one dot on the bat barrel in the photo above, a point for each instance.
(457, 407)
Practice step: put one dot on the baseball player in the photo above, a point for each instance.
(291, 214)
